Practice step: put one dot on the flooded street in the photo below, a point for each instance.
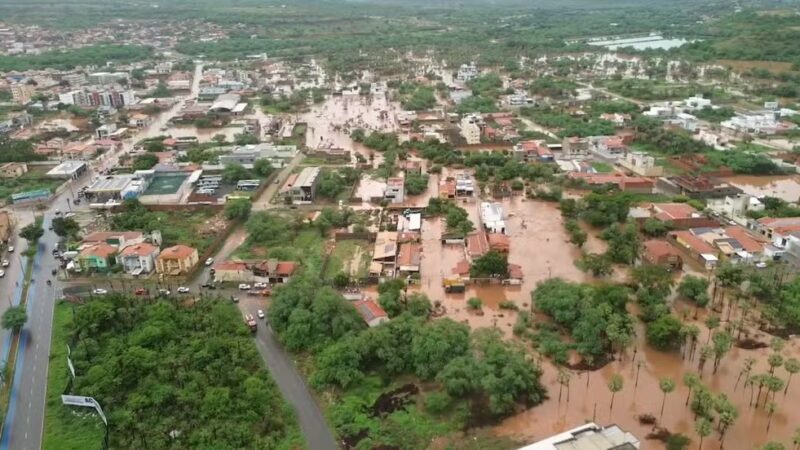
(785, 187)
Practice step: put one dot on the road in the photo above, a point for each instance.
(315, 429)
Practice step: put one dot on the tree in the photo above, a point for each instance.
(597, 264)
(772, 446)
(232, 173)
(703, 429)
(263, 168)
(238, 208)
(796, 438)
(691, 381)
(145, 161)
(665, 333)
(771, 408)
(774, 360)
(792, 366)
(14, 318)
(416, 184)
(474, 303)
(65, 226)
(615, 385)
(219, 138)
(712, 322)
(653, 278)
(723, 341)
(692, 287)
(437, 343)
(667, 385)
(492, 264)
(32, 232)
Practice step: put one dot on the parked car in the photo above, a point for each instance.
(164, 292)
(261, 314)
(260, 285)
(10, 249)
(235, 299)
(209, 261)
(244, 287)
(183, 290)
(5, 263)
(2, 273)
(140, 291)
(99, 291)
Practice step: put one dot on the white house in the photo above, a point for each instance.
(492, 217)
(471, 128)
(589, 437)
(138, 259)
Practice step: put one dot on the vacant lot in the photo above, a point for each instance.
(351, 257)
(33, 180)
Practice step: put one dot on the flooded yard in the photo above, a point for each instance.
(785, 187)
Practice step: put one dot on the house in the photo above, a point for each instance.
(97, 257)
(371, 312)
(661, 253)
(642, 164)
(531, 151)
(467, 72)
(118, 239)
(411, 167)
(616, 118)
(734, 243)
(265, 271)
(139, 120)
(384, 253)
(105, 131)
(465, 186)
(677, 215)
(447, 188)
(302, 188)
(612, 147)
(777, 229)
(13, 169)
(575, 147)
(478, 243)
(588, 437)
(492, 217)
(79, 151)
(395, 190)
(176, 260)
(409, 255)
(138, 259)
(735, 206)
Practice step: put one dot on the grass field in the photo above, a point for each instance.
(30, 181)
(307, 248)
(351, 257)
(66, 428)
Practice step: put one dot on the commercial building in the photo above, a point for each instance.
(107, 77)
(96, 98)
(247, 155)
(176, 260)
(471, 128)
(117, 187)
(68, 169)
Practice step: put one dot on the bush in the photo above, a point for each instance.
(509, 305)
(437, 402)
(664, 333)
(474, 303)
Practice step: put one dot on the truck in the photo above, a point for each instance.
(251, 323)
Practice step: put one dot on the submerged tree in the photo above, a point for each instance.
(792, 366)
(615, 385)
(667, 385)
(703, 429)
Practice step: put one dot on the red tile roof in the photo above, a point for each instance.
(142, 249)
(409, 254)
(98, 251)
(369, 310)
(656, 249)
(462, 268)
(748, 241)
(176, 252)
(673, 211)
(515, 271)
(693, 242)
(477, 244)
(499, 242)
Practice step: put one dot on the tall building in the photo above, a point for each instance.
(22, 93)
(107, 77)
(108, 97)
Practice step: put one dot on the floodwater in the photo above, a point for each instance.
(786, 187)
(641, 43)
(592, 401)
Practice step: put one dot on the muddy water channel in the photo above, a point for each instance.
(783, 187)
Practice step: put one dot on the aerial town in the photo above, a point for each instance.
(388, 226)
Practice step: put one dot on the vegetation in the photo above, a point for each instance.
(14, 318)
(96, 55)
(195, 365)
(238, 209)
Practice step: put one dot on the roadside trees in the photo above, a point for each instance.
(14, 318)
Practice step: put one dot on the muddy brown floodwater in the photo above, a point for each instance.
(784, 187)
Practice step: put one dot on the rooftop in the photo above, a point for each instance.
(177, 252)
(369, 310)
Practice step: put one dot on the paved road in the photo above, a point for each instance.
(315, 429)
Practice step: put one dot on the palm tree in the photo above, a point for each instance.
(775, 360)
(690, 380)
(792, 365)
(667, 385)
(773, 384)
(712, 322)
(615, 385)
(748, 366)
(771, 408)
(703, 428)
(563, 379)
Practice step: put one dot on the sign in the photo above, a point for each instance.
(87, 402)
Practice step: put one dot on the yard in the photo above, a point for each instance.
(305, 247)
(351, 257)
(63, 428)
(33, 180)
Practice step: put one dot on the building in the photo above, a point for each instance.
(735, 206)
(117, 187)
(138, 259)
(395, 190)
(533, 151)
(409, 256)
(261, 271)
(642, 164)
(777, 229)
(467, 72)
(617, 119)
(107, 77)
(79, 151)
(176, 260)
(662, 253)
(575, 147)
(697, 102)
(622, 182)
(471, 125)
(225, 104)
(118, 239)
(588, 437)
(97, 98)
(371, 312)
(492, 217)
(139, 120)
(13, 169)
(22, 92)
(734, 243)
(247, 155)
(677, 215)
(97, 257)
(756, 123)
(465, 185)
(478, 243)
(700, 187)
(302, 188)
(384, 254)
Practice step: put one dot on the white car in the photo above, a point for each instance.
(244, 287)
(5, 263)
(209, 261)
(164, 291)
(183, 290)
(261, 314)
(10, 249)
(2, 273)
(260, 285)
(99, 291)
